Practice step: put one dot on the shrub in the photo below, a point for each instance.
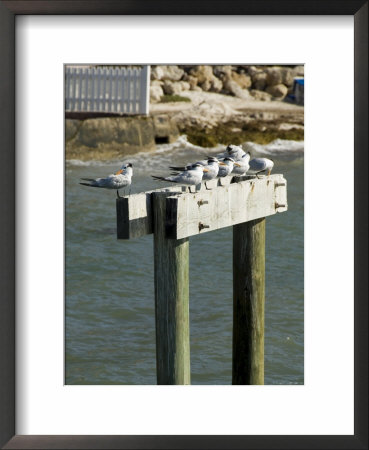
(174, 98)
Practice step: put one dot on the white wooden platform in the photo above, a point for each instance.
(202, 210)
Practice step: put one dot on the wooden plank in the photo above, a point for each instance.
(86, 102)
(92, 77)
(203, 209)
(135, 99)
(225, 206)
(116, 94)
(248, 302)
(104, 104)
(134, 213)
(110, 92)
(123, 91)
(74, 94)
(171, 275)
(98, 98)
(128, 91)
(145, 90)
(67, 90)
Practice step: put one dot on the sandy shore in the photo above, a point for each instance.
(211, 108)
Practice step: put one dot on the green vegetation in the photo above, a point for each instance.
(174, 98)
(230, 132)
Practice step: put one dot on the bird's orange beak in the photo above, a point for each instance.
(206, 170)
(236, 164)
(222, 164)
(119, 172)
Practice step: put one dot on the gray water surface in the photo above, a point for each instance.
(109, 304)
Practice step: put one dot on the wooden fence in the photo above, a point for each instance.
(111, 90)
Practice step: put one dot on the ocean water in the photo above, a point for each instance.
(109, 301)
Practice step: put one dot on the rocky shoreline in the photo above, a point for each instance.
(223, 106)
(243, 81)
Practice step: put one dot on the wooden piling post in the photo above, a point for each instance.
(174, 215)
(171, 261)
(248, 302)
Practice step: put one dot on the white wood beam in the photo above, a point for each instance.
(203, 210)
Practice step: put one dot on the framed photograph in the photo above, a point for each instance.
(58, 388)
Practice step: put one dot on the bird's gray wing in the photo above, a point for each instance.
(257, 164)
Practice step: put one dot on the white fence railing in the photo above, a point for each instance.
(111, 90)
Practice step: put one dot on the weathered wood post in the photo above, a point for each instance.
(173, 215)
(248, 302)
(171, 269)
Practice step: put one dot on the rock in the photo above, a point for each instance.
(185, 85)
(260, 95)
(156, 92)
(172, 88)
(298, 71)
(202, 73)
(193, 83)
(205, 85)
(187, 68)
(222, 72)
(259, 80)
(157, 83)
(278, 91)
(280, 75)
(233, 88)
(274, 76)
(71, 128)
(227, 76)
(171, 73)
(156, 73)
(191, 80)
(243, 80)
(252, 70)
(216, 85)
(287, 76)
(206, 79)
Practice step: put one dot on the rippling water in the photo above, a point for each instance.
(110, 318)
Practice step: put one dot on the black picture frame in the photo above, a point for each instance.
(8, 11)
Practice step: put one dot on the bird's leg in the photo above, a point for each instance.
(118, 196)
(269, 171)
(206, 187)
(129, 193)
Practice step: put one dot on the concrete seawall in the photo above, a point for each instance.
(115, 137)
